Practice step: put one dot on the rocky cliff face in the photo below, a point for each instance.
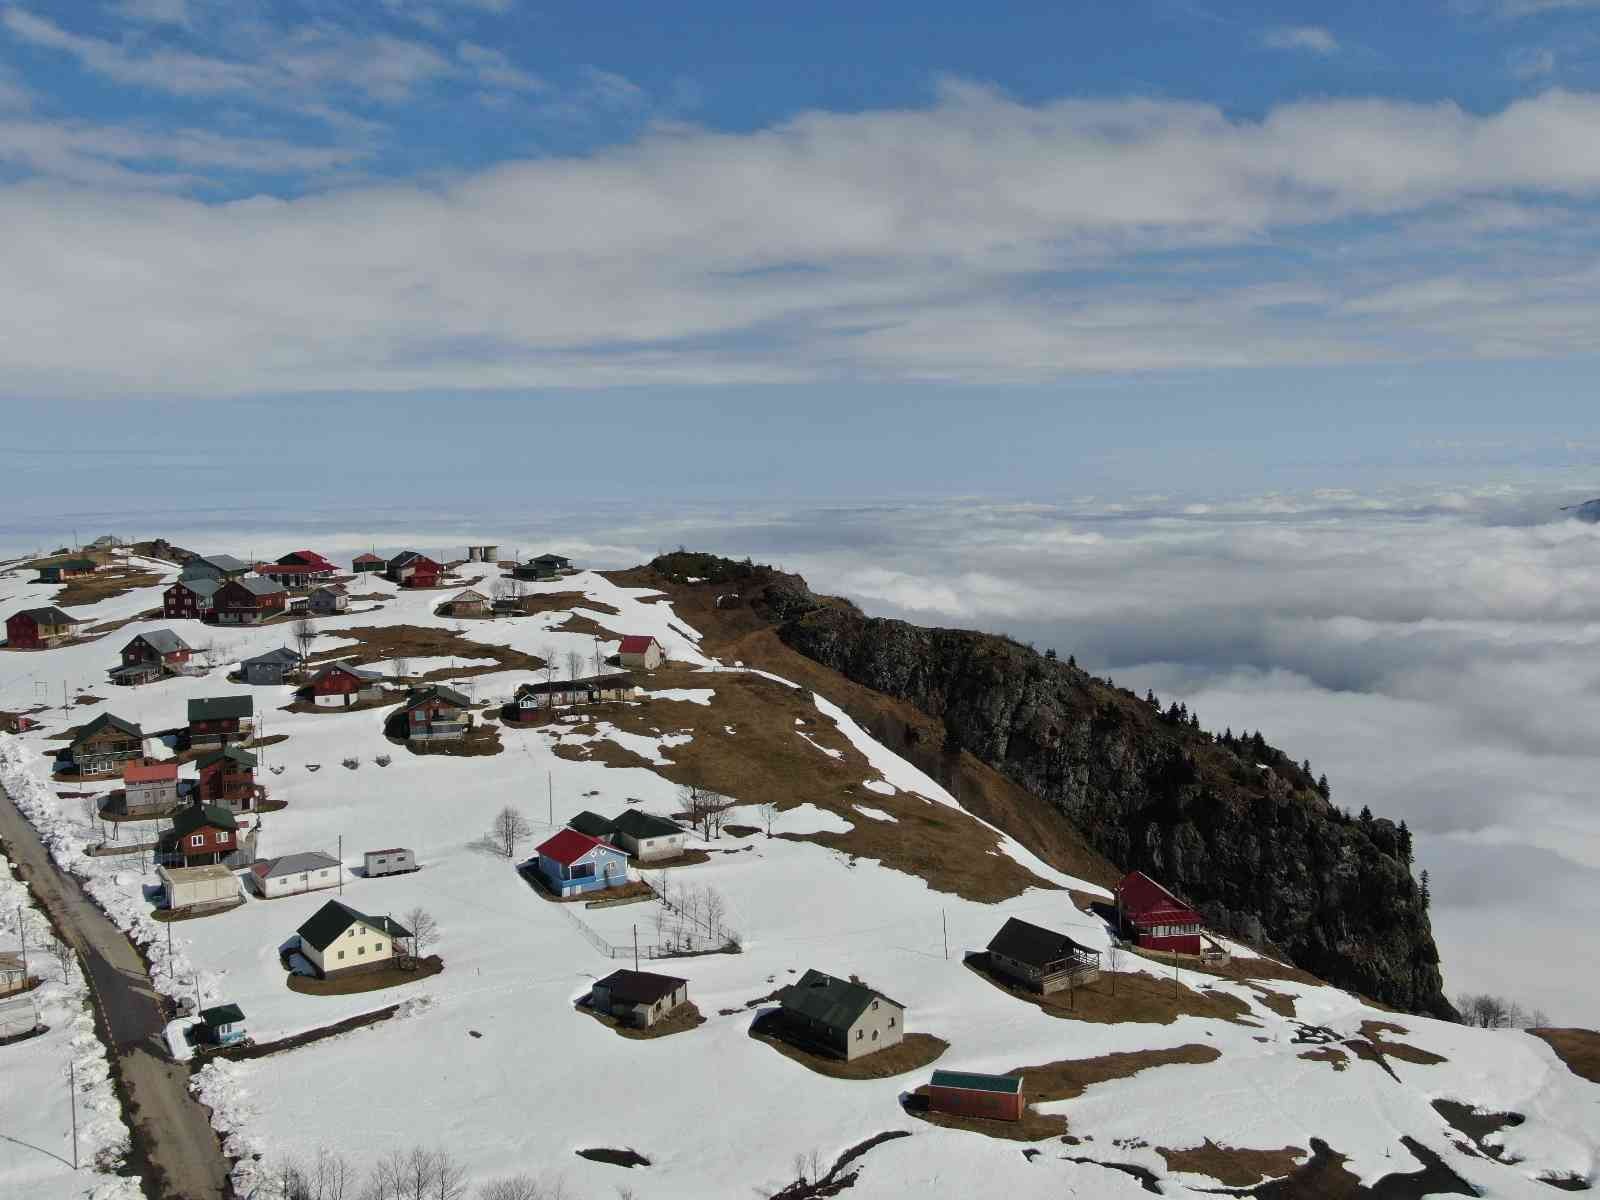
(1237, 828)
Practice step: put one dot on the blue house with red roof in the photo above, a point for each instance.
(573, 863)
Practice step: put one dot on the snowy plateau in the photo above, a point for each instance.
(491, 1060)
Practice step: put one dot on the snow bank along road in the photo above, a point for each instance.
(185, 1159)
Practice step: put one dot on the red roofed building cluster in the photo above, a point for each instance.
(1158, 919)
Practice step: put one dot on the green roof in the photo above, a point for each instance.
(334, 917)
(103, 721)
(636, 824)
(835, 1003)
(592, 824)
(196, 815)
(222, 1014)
(243, 757)
(222, 708)
(971, 1081)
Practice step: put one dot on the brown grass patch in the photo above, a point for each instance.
(384, 643)
(104, 585)
(1237, 969)
(1375, 1031)
(601, 751)
(365, 981)
(1232, 1165)
(917, 1050)
(1279, 1002)
(1332, 1055)
(1138, 997)
(543, 602)
(1578, 1048)
(740, 831)
(680, 1021)
(587, 626)
(480, 742)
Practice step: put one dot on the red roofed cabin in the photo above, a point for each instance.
(1159, 920)
(413, 570)
(642, 652)
(365, 563)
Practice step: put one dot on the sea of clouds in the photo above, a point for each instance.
(1436, 652)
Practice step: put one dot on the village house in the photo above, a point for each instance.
(646, 837)
(219, 720)
(545, 567)
(531, 697)
(13, 977)
(248, 601)
(433, 714)
(969, 1094)
(413, 570)
(309, 558)
(220, 567)
(201, 835)
(151, 656)
(184, 887)
(468, 603)
(396, 860)
(222, 1025)
(1040, 958)
(339, 685)
(228, 780)
(1157, 919)
(367, 564)
(67, 568)
(295, 873)
(592, 824)
(191, 599)
(270, 669)
(149, 787)
(338, 940)
(573, 863)
(103, 745)
(841, 1017)
(329, 600)
(641, 652)
(41, 628)
(638, 998)
(299, 570)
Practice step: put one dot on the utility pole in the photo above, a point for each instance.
(22, 932)
(169, 944)
(944, 919)
(72, 1085)
(550, 783)
(341, 864)
(636, 947)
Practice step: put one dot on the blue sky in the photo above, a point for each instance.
(711, 250)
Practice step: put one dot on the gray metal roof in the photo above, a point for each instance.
(294, 864)
(835, 1003)
(257, 586)
(51, 615)
(203, 586)
(637, 824)
(281, 656)
(164, 641)
(348, 668)
(221, 708)
(225, 562)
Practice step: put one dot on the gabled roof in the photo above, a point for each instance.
(367, 558)
(468, 594)
(344, 668)
(161, 772)
(1033, 944)
(162, 641)
(637, 824)
(295, 568)
(568, 846)
(222, 1014)
(225, 563)
(334, 917)
(257, 586)
(108, 720)
(205, 587)
(305, 556)
(640, 987)
(636, 643)
(73, 564)
(552, 559)
(835, 1003)
(231, 754)
(591, 825)
(50, 615)
(971, 1081)
(294, 864)
(197, 816)
(222, 708)
(406, 557)
(436, 691)
(282, 655)
(1142, 898)
(337, 589)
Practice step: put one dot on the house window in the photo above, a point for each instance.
(361, 949)
(874, 1035)
(377, 947)
(858, 1035)
(198, 840)
(874, 1006)
(341, 954)
(891, 1022)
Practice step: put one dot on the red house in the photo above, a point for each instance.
(190, 599)
(228, 780)
(201, 835)
(339, 685)
(410, 569)
(307, 558)
(1159, 920)
(365, 563)
(40, 628)
(249, 601)
(151, 656)
(969, 1094)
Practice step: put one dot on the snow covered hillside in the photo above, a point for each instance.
(872, 870)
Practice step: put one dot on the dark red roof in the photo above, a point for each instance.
(636, 643)
(149, 772)
(310, 557)
(1145, 900)
(293, 568)
(367, 558)
(568, 846)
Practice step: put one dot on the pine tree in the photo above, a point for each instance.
(1322, 787)
(1227, 736)
(1427, 894)
(1366, 815)
(1150, 698)
(1051, 654)
(1405, 843)
(1072, 661)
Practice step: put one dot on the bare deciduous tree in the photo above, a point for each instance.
(574, 664)
(1113, 961)
(768, 811)
(61, 950)
(304, 634)
(512, 1187)
(704, 807)
(424, 932)
(510, 828)
(715, 908)
(400, 668)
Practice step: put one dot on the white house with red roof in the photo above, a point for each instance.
(573, 863)
(642, 652)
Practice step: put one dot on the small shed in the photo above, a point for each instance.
(641, 652)
(269, 669)
(292, 874)
(969, 1094)
(366, 564)
(639, 998)
(468, 603)
(329, 599)
(222, 1025)
(396, 860)
(185, 886)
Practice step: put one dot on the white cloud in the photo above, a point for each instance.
(938, 243)
(155, 12)
(1300, 37)
(495, 71)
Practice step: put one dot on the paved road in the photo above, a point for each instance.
(172, 1128)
